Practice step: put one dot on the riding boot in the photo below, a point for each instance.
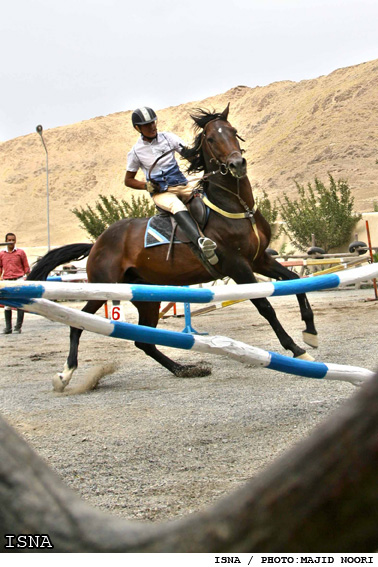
(8, 322)
(20, 320)
(205, 246)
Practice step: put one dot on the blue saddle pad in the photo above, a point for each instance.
(158, 231)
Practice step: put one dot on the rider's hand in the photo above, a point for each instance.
(152, 187)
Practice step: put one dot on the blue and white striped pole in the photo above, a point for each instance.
(137, 292)
(218, 345)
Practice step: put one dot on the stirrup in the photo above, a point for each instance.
(207, 247)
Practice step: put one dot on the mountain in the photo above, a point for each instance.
(292, 131)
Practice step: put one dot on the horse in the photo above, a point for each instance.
(234, 222)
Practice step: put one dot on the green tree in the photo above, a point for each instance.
(108, 210)
(325, 212)
(268, 211)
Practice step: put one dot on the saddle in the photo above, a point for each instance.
(163, 229)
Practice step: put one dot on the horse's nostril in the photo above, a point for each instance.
(238, 167)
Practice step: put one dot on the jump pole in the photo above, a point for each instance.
(165, 310)
(219, 345)
(157, 293)
(371, 256)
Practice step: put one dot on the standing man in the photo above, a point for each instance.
(167, 185)
(13, 266)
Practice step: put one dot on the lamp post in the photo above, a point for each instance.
(39, 129)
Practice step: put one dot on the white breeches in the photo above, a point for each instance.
(174, 199)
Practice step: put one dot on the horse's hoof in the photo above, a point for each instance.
(310, 339)
(59, 383)
(306, 356)
(193, 371)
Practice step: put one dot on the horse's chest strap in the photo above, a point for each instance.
(248, 214)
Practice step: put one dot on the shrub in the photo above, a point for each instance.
(109, 210)
(325, 212)
(268, 211)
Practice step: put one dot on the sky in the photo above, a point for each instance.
(64, 61)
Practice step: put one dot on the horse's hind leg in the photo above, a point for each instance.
(62, 379)
(149, 317)
(266, 310)
(273, 269)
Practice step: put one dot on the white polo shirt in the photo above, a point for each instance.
(143, 154)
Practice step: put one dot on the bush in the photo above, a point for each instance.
(109, 210)
(268, 211)
(325, 212)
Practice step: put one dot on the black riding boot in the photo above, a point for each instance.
(20, 320)
(204, 245)
(8, 322)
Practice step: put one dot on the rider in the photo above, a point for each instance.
(167, 185)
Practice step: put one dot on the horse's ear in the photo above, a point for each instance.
(224, 114)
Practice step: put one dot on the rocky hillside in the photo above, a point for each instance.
(293, 131)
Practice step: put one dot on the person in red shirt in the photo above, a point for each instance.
(13, 266)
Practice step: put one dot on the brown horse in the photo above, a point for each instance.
(234, 223)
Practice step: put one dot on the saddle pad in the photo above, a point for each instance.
(158, 231)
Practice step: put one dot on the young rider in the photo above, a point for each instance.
(165, 182)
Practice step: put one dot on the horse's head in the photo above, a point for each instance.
(220, 144)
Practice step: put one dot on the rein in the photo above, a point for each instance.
(223, 170)
(203, 177)
(223, 167)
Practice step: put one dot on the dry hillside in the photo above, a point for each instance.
(293, 131)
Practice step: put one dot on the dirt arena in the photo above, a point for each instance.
(147, 445)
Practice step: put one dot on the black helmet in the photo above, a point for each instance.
(142, 116)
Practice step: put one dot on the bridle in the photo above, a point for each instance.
(223, 170)
(223, 167)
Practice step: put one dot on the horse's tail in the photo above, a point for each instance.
(57, 257)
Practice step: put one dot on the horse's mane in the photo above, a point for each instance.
(193, 154)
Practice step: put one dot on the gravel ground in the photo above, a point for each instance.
(150, 446)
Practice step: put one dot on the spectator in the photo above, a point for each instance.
(13, 266)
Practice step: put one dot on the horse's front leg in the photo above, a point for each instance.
(62, 379)
(243, 274)
(270, 268)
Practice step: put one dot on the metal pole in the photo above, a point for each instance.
(39, 129)
(371, 257)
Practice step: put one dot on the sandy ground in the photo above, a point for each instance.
(147, 445)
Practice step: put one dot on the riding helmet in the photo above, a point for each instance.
(142, 116)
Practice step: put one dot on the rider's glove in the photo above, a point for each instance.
(152, 187)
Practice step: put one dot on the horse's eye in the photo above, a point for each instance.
(210, 140)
